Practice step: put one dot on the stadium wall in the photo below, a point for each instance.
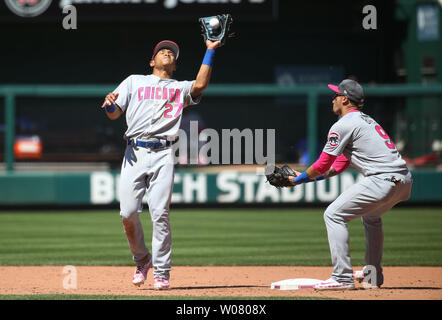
(225, 187)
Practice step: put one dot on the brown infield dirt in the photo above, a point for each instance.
(401, 283)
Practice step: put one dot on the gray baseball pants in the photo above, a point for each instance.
(152, 171)
(369, 199)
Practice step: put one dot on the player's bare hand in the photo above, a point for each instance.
(212, 44)
(292, 178)
(110, 99)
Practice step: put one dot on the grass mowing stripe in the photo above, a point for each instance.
(214, 237)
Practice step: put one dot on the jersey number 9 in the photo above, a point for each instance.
(385, 136)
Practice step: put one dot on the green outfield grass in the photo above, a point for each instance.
(413, 236)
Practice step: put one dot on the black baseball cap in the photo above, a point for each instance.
(351, 89)
(167, 44)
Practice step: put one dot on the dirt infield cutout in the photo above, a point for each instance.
(401, 283)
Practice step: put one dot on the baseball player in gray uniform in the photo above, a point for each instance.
(358, 140)
(153, 104)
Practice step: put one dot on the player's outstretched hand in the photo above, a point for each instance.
(110, 99)
(212, 44)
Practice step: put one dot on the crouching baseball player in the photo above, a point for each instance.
(358, 140)
(153, 104)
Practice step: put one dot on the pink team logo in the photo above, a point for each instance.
(28, 8)
(333, 139)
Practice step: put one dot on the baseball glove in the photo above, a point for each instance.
(216, 31)
(279, 177)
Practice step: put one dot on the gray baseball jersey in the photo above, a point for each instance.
(153, 105)
(365, 144)
(371, 151)
(153, 108)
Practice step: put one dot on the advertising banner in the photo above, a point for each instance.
(227, 187)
